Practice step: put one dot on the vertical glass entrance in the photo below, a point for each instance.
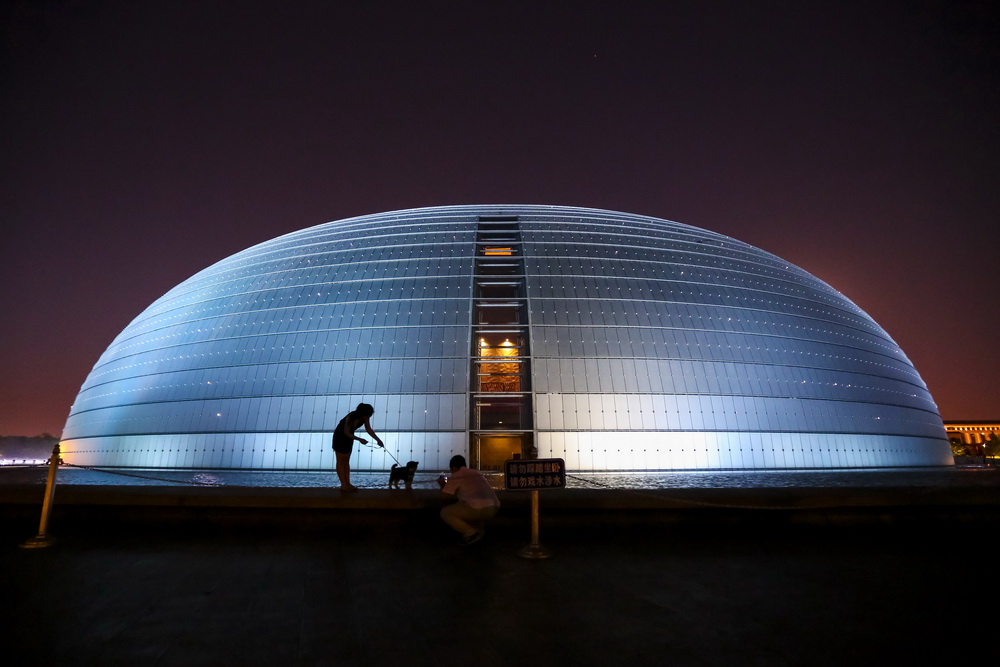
(501, 425)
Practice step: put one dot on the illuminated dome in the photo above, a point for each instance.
(614, 341)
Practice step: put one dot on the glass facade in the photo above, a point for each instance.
(614, 341)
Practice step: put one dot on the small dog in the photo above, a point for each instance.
(405, 475)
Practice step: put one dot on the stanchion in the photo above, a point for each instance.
(535, 549)
(42, 539)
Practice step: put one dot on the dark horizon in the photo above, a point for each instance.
(144, 142)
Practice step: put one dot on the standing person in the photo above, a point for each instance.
(343, 442)
(476, 502)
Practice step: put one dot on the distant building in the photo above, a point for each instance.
(972, 432)
(611, 340)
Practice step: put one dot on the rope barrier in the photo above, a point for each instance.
(155, 479)
(189, 482)
(646, 494)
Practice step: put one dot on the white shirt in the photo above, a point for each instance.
(471, 488)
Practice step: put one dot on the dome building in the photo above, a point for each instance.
(611, 340)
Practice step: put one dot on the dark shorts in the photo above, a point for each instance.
(342, 445)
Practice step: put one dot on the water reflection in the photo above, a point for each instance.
(207, 479)
(906, 477)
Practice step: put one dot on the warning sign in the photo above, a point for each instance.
(534, 474)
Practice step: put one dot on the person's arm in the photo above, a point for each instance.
(349, 432)
(448, 489)
(368, 428)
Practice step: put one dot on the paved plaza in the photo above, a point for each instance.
(228, 584)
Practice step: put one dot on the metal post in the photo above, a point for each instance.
(534, 550)
(42, 539)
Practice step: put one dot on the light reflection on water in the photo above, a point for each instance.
(929, 477)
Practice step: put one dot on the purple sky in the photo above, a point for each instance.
(142, 141)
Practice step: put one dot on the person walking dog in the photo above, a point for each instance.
(343, 442)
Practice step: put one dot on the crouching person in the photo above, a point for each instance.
(475, 502)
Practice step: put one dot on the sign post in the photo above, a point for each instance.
(534, 475)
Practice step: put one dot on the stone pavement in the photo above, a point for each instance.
(321, 582)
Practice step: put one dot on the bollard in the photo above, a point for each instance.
(42, 539)
(535, 549)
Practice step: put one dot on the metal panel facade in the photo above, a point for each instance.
(653, 345)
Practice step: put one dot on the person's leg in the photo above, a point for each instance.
(457, 515)
(466, 520)
(344, 471)
(483, 516)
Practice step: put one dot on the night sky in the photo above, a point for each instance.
(143, 141)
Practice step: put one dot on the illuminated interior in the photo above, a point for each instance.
(499, 363)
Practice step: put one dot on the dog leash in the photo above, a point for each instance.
(386, 449)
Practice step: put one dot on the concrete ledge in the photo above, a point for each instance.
(245, 504)
(385, 499)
